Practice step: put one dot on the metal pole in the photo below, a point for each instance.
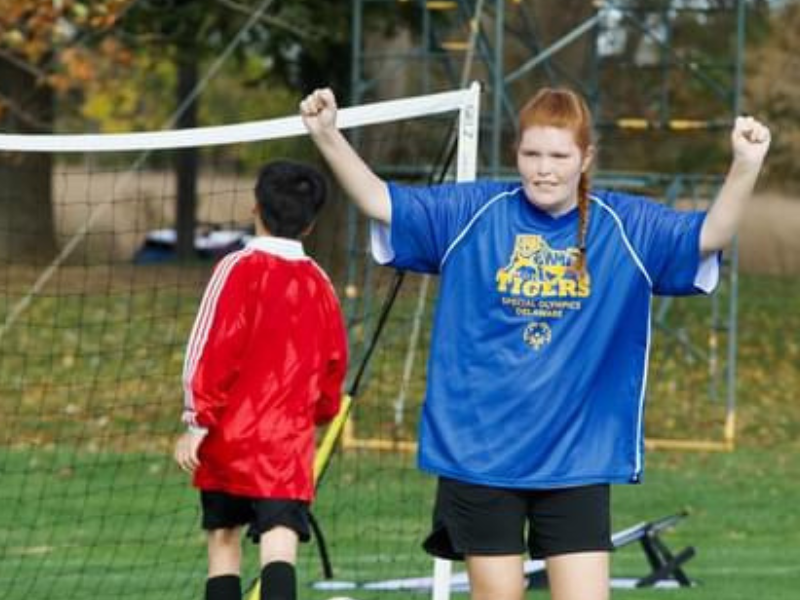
(498, 86)
(734, 279)
(552, 49)
(426, 48)
(356, 86)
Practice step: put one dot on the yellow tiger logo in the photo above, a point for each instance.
(534, 259)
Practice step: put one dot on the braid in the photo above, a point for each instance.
(583, 224)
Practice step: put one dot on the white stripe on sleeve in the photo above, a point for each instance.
(202, 325)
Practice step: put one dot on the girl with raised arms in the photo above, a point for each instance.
(538, 362)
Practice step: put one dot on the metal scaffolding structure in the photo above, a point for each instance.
(642, 65)
(655, 57)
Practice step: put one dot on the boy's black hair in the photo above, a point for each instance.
(289, 197)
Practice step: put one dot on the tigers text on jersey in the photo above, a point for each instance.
(536, 375)
(264, 364)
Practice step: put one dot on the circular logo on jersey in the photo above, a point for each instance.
(537, 335)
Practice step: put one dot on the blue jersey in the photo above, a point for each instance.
(536, 375)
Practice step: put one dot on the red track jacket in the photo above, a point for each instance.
(264, 364)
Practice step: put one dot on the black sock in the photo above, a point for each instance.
(224, 587)
(278, 581)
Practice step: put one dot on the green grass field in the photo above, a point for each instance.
(125, 526)
(91, 506)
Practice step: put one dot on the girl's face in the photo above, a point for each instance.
(551, 163)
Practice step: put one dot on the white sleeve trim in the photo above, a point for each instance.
(381, 239)
(636, 259)
(707, 276)
(381, 242)
(200, 330)
(472, 221)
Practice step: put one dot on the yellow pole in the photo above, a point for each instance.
(322, 458)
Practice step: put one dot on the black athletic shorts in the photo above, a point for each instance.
(224, 511)
(475, 520)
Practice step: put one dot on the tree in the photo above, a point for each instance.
(46, 48)
(51, 50)
(192, 32)
(773, 90)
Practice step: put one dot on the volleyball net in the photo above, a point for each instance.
(97, 299)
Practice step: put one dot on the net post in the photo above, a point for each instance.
(442, 571)
(468, 130)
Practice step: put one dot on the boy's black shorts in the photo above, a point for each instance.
(223, 511)
(477, 520)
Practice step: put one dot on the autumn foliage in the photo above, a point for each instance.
(61, 43)
(773, 91)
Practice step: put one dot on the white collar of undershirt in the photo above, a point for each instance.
(284, 247)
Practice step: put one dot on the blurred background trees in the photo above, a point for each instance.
(48, 52)
(773, 93)
(123, 65)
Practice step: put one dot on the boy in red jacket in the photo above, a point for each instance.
(264, 364)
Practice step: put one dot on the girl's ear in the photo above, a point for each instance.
(588, 158)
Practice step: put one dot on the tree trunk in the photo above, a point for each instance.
(186, 160)
(27, 233)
